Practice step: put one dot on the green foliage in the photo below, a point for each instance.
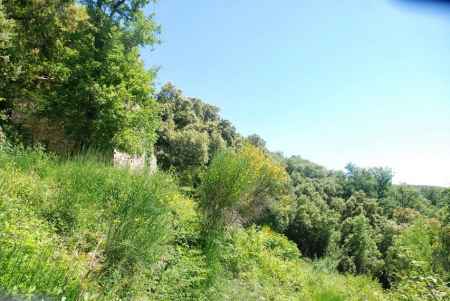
(412, 251)
(6, 35)
(6, 27)
(2, 138)
(83, 225)
(192, 132)
(138, 227)
(30, 258)
(421, 288)
(301, 167)
(189, 148)
(241, 186)
(257, 141)
(444, 249)
(405, 196)
(81, 82)
(436, 195)
(78, 229)
(237, 188)
(314, 227)
(360, 252)
(226, 183)
(8, 70)
(182, 277)
(269, 268)
(95, 232)
(183, 272)
(353, 222)
(314, 223)
(374, 182)
(413, 265)
(405, 215)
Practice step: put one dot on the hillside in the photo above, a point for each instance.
(84, 230)
(193, 210)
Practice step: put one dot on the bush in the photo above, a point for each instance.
(313, 227)
(411, 259)
(360, 251)
(138, 225)
(225, 185)
(267, 266)
(244, 186)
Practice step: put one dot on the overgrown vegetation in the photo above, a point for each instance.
(84, 230)
(223, 218)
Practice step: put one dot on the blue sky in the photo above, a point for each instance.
(344, 81)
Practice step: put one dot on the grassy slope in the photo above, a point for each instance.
(83, 228)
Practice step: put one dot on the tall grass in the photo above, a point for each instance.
(68, 224)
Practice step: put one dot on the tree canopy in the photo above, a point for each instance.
(80, 81)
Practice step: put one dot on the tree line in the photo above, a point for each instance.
(357, 218)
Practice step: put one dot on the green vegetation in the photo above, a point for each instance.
(85, 230)
(74, 79)
(222, 219)
(82, 229)
(191, 132)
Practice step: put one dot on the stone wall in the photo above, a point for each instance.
(134, 162)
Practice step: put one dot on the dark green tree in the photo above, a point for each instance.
(81, 82)
(191, 133)
(374, 182)
(313, 227)
(360, 252)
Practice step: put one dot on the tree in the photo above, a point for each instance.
(383, 178)
(445, 199)
(227, 182)
(270, 200)
(128, 15)
(82, 82)
(313, 227)
(405, 196)
(257, 141)
(191, 133)
(374, 182)
(7, 70)
(360, 253)
(305, 168)
(6, 36)
(413, 252)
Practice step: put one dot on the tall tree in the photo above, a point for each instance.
(192, 131)
(82, 82)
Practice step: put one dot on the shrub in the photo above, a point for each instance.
(412, 255)
(138, 222)
(360, 251)
(313, 228)
(244, 186)
(227, 182)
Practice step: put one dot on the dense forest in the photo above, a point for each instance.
(223, 217)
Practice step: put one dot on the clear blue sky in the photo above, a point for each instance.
(332, 81)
